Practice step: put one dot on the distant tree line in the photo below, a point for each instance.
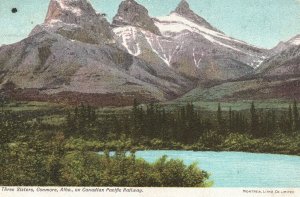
(185, 125)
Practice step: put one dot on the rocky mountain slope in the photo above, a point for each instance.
(254, 88)
(188, 44)
(285, 59)
(285, 45)
(184, 10)
(77, 55)
(132, 13)
(74, 51)
(278, 77)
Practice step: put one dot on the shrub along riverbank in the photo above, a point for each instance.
(43, 160)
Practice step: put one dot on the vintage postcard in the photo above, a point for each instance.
(149, 98)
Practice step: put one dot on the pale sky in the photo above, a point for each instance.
(259, 22)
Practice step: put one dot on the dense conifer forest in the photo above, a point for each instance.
(152, 126)
(36, 150)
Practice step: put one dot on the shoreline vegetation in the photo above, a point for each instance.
(55, 146)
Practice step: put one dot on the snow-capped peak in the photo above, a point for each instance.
(183, 6)
(295, 40)
(184, 10)
(175, 23)
(77, 11)
(76, 20)
(133, 14)
(69, 10)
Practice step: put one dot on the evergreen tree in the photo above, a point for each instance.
(190, 133)
(137, 117)
(268, 124)
(254, 127)
(69, 124)
(220, 120)
(296, 117)
(290, 120)
(230, 125)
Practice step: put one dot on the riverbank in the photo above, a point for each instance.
(277, 144)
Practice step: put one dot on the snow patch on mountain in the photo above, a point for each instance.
(257, 63)
(295, 41)
(198, 60)
(152, 39)
(176, 23)
(129, 39)
(185, 42)
(137, 40)
(75, 10)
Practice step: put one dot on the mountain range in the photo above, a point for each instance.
(76, 56)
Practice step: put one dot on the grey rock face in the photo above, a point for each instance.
(132, 13)
(285, 45)
(286, 62)
(70, 11)
(190, 46)
(77, 50)
(285, 59)
(76, 20)
(74, 51)
(184, 10)
(53, 64)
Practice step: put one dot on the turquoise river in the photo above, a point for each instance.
(237, 169)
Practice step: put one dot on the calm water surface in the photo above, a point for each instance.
(236, 169)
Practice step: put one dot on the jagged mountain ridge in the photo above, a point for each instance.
(76, 20)
(184, 10)
(76, 50)
(286, 62)
(190, 45)
(285, 59)
(132, 13)
(285, 45)
(278, 77)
